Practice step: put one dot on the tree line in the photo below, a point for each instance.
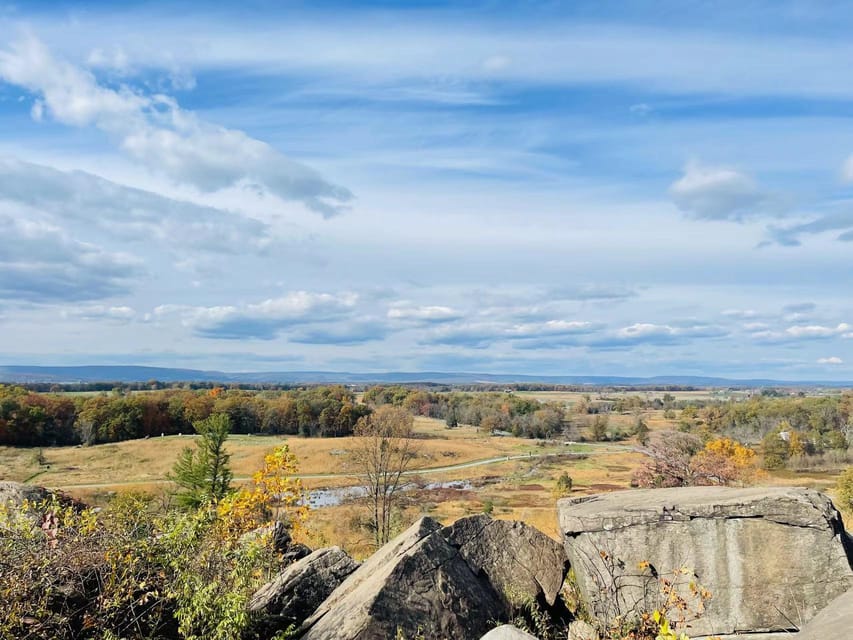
(46, 419)
(491, 412)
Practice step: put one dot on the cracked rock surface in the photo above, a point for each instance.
(439, 582)
(297, 591)
(771, 557)
(834, 622)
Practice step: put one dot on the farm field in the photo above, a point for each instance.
(571, 397)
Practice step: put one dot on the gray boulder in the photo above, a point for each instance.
(277, 533)
(298, 590)
(580, 630)
(519, 561)
(507, 632)
(768, 556)
(834, 622)
(296, 551)
(436, 583)
(13, 494)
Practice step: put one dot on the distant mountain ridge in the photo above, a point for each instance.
(132, 373)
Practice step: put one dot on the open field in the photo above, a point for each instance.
(149, 460)
(513, 477)
(570, 397)
(508, 477)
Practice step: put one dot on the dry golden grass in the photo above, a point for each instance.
(519, 489)
(150, 460)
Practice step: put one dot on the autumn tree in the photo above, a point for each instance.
(452, 421)
(668, 459)
(844, 488)
(384, 450)
(724, 461)
(775, 450)
(203, 474)
(677, 459)
(641, 431)
(599, 427)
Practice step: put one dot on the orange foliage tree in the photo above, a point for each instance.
(724, 461)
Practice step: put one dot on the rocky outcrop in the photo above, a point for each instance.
(507, 632)
(520, 562)
(435, 582)
(14, 494)
(580, 630)
(276, 534)
(298, 590)
(296, 551)
(768, 556)
(835, 621)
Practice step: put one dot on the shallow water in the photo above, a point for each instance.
(320, 498)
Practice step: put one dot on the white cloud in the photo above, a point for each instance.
(831, 360)
(156, 131)
(551, 328)
(128, 213)
(645, 330)
(806, 332)
(120, 314)
(847, 169)
(425, 314)
(263, 320)
(818, 331)
(115, 59)
(717, 193)
(658, 334)
(741, 313)
(40, 263)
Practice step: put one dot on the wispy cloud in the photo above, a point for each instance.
(40, 263)
(128, 213)
(120, 314)
(156, 131)
(264, 320)
(806, 332)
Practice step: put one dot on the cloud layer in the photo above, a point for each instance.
(559, 188)
(156, 131)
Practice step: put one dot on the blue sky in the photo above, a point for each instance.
(625, 188)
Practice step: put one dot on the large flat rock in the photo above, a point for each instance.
(834, 622)
(770, 557)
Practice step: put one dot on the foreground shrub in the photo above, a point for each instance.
(134, 571)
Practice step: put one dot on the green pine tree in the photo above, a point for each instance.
(451, 420)
(203, 474)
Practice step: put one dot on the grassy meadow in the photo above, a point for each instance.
(509, 477)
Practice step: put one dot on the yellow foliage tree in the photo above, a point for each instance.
(275, 494)
(724, 461)
(796, 446)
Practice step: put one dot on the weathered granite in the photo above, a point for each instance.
(507, 632)
(519, 560)
(437, 583)
(769, 556)
(297, 591)
(833, 622)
